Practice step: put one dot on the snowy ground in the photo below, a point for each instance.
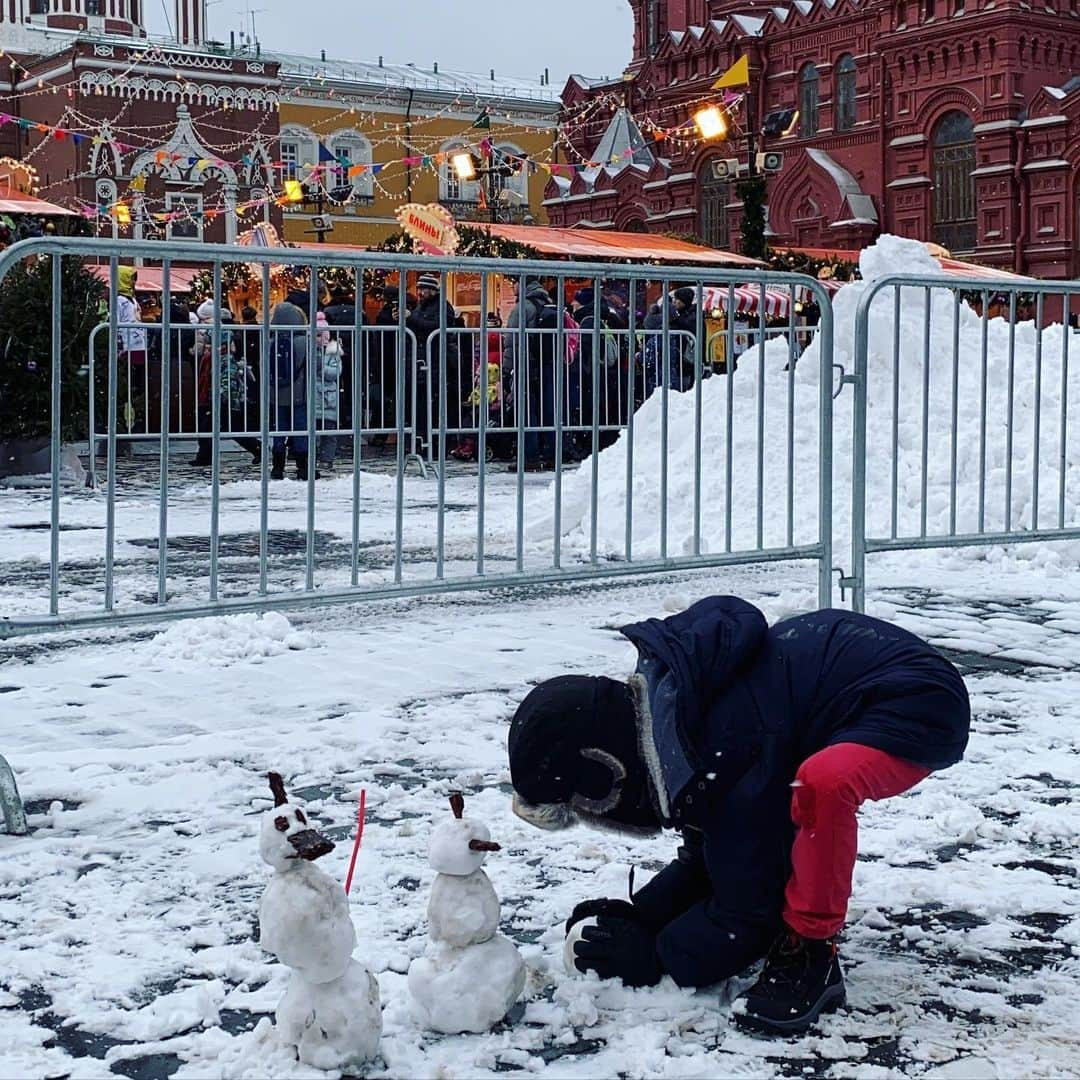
(129, 939)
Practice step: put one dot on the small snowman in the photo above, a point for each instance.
(330, 1012)
(471, 975)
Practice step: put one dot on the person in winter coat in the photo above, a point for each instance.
(327, 391)
(236, 394)
(487, 392)
(425, 322)
(288, 387)
(341, 313)
(609, 361)
(759, 744)
(382, 368)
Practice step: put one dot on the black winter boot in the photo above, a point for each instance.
(302, 468)
(277, 470)
(801, 979)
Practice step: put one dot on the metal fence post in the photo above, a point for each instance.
(857, 573)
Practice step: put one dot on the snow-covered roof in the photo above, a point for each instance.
(623, 144)
(749, 24)
(860, 205)
(412, 77)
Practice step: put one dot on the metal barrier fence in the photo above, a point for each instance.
(654, 505)
(934, 374)
(362, 362)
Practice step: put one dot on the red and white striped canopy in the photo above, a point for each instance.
(746, 299)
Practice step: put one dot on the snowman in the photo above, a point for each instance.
(330, 1012)
(471, 975)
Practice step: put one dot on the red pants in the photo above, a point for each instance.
(829, 788)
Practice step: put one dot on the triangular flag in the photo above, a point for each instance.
(483, 121)
(736, 75)
(324, 154)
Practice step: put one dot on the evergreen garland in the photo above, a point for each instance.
(26, 347)
(751, 192)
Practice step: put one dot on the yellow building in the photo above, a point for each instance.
(366, 138)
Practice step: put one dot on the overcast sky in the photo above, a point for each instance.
(587, 37)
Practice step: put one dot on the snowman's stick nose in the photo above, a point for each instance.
(484, 845)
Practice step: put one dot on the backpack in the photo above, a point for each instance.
(281, 359)
(611, 354)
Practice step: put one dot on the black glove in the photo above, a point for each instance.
(617, 948)
(590, 909)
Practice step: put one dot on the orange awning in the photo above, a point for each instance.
(643, 247)
(150, 278)
(28, 204)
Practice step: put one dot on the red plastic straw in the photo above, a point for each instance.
(356, 845)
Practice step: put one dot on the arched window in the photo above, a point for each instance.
(713, 220)
(299, 152)
(954, 184)
(510, 157)
(351, 148)
(451, 188)
(808, 101)
(845, 93)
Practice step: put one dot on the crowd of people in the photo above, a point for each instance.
(452, 372)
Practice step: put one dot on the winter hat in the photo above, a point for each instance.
(205, 311)
(574, 753)
(688, 297)
(428, 281)
(299, 298)
(125, 278)
(585, 297)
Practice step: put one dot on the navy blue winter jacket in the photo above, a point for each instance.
(736, 707)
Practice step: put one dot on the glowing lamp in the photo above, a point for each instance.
(710, 123)
(464, 165)
(294, 191)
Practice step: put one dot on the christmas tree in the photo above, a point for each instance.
(26, 347)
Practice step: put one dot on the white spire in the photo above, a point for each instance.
(191, 22)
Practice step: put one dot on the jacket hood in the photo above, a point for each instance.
(287, 314)
(125, 280)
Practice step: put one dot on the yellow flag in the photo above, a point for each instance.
(736, 75)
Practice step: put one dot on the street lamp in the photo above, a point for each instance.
(710, 122)
(464, 165)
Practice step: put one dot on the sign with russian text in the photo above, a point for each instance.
(432, 227)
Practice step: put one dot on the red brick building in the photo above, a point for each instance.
(180, 134)
(956, 121)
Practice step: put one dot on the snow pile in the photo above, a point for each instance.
(229, 639)
(765, 375)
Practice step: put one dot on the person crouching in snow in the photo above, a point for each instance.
(759, 744)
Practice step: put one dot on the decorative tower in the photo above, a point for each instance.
(191, 22)
(122, 17)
